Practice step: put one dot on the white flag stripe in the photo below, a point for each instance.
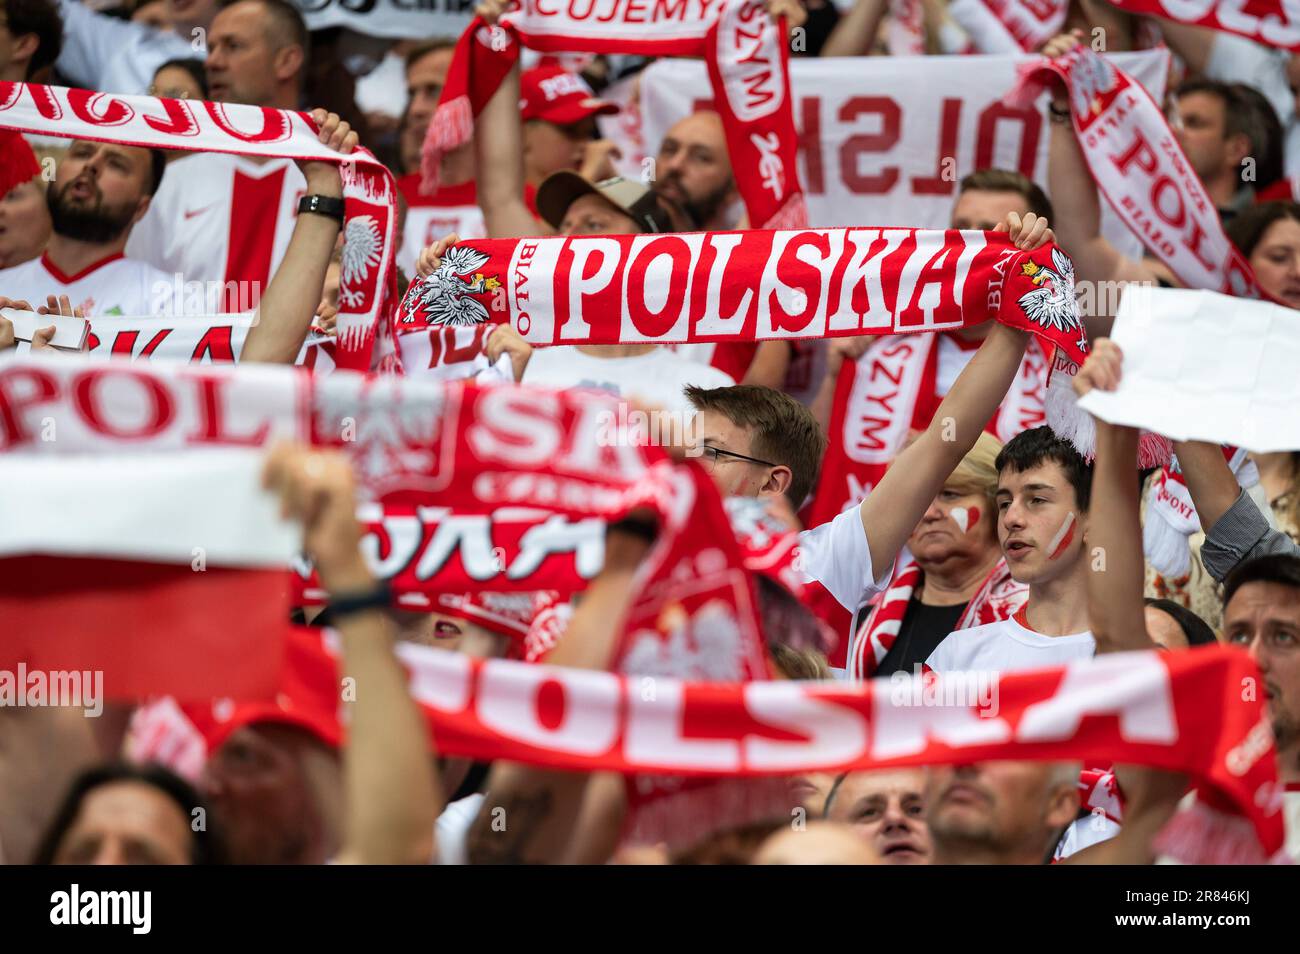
(165, 508)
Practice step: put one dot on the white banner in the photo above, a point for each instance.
(886, 140)
(391, 19)
(1204, 366)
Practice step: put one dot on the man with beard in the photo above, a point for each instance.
(100, 192)
(694, 170)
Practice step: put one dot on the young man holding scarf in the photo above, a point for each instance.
(1044, 489)
(852, 555)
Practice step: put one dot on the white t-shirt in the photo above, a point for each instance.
(117, 56)
(836, 555)
(113, 286)
(655, 379)
(1006, 646)
(219, 218)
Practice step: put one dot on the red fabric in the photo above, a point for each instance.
(150, 628)
(1264, 21)
(1141, 169)
(746, 57)
(17, 161)
(555, 95)
(466, 193)
(368, 280)
(998, 597)
(1175, 711)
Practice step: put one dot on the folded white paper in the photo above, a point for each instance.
(1204, 366)
(69, 333)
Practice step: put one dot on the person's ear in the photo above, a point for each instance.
(289, 61)
(1239, 148)
(778, 481)
(141, 208)
(25, 47)
(1062, 805)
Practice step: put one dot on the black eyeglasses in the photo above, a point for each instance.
(711, 454)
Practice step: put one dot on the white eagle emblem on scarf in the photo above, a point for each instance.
(444, 295)
(362, 245)
(1052, 304)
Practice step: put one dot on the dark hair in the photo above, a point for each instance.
(1280, 568)
(1005, 180)
(1239, 118)
(1038, 445)
(1196, 630)
(157, 166)
(288, 20)
(1266, 137)
(784, 431)
(41, 18)
(190, 65)
(206, 847)
(424, 49)
(1246, 229)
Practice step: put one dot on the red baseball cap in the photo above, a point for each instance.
(553, 94)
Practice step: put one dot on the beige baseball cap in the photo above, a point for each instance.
(560, 189)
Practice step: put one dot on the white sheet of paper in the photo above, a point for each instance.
(1204, 366)
(69, 333)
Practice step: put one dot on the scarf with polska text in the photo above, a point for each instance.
(425, 454)
(1180, 712)
(1266, 21)
(747, 61)
(748, 286)
(368, 277)
(1140, 168)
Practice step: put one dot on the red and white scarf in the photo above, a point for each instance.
(1141, 169)
(1002, 26)
(193, 436)
(746, 56)
(892, 390)
(999, 597)
(367, 288)
(748, 286)
(1171, 516)
(1175, 711)
(1266, 21)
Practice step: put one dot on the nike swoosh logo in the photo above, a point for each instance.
(190, 213)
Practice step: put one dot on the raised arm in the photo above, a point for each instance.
(855, 34)
(1235, 529)
(891, 512)
(1075, 202)
(285, 312)
(541, 807)
(499, 152)
(893, 509)
(391, 791)
(1117, 571)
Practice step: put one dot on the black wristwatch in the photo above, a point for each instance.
(323, 205)
(379, 596)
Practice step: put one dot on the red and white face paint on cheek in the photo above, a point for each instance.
(965, 517)
(1060, 542)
